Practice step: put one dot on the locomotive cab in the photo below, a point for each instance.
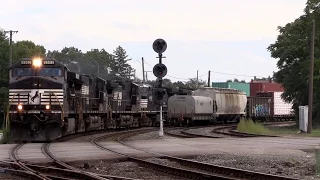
(36, 95)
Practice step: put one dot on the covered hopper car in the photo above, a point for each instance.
(187, 109)
(218, 104)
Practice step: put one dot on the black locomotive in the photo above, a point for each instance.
(48, 101)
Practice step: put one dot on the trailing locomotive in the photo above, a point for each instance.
(47, 101)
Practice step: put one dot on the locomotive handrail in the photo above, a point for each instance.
(7, 115)
(62, 111)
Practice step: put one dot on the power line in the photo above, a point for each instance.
(216, 72)
(178, 78)
(234, 74)
(203, 74)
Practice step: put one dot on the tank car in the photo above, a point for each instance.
(186, 109)
(228, 104)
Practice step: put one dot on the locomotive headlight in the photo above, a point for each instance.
(47, 107)
(37, 62)
(19, 107)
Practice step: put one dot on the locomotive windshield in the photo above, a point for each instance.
(33, 72)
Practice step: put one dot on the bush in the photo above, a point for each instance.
(248, 126)
(5, 138)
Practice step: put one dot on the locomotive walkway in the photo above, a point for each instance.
(85, 151)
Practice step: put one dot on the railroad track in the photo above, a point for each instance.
(78, 172)
(63, 171)
(231, 131)
(184, 132)
(192, 169)
(24, 166)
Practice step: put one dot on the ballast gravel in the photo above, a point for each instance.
(208, 131)
(4, 176)
(149, 135)
(297, 166)
(126, 169)
(300, 167)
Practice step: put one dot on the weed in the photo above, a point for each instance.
(248, 126)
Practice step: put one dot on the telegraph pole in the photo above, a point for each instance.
(160, 70)
(144, 80)
(10, 32)
(310, 102)
(197, 78)
(209, 78)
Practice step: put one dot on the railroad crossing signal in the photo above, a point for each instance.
(159, 46)
(160, 70)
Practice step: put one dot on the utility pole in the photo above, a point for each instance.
(143, 79)
(197, 78)
(310, 102)
(10, 32)
(209, 78)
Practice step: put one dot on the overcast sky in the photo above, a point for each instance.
(223, 36)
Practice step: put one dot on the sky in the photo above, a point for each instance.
(229, 38)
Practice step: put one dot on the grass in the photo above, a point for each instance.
(293, 130)
(248, 126)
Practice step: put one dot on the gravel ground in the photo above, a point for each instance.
(126, 169)
(301, 167)
(150, 135)
(208, 131)
(9, 176)
(87, 138)
(176, 132)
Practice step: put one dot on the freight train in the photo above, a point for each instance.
(48, 101)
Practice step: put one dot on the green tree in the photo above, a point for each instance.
(292, 49)
(4, 66)
(119, 65)
(4, 59)
(71, 57)
(193, 83)
(26, 49)
(98, 61)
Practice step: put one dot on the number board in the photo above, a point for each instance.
(48, 62)
(25, 62)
